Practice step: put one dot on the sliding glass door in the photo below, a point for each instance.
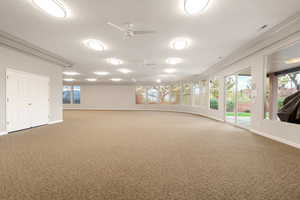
(238, 98)
(230, 98)
(244, 99)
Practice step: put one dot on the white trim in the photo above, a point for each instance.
(18, 44)
(56, 122)
(278, 139)
(3, 133)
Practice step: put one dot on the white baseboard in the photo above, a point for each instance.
(3, 133)
(56, 122)
(278, 139)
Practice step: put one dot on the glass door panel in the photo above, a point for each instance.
(230, 98)
(243, 95)
(238, 90)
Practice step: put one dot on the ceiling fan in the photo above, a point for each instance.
(129, 31)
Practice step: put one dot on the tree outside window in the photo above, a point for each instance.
(214, 94)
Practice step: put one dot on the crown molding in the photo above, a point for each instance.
(280, 32)
(21, 45)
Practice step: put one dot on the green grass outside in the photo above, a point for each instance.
(239, 114)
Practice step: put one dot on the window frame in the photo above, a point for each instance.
(209, 94)
(72, 101)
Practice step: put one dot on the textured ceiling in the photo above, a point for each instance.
(221, 29)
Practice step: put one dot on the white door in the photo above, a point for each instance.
(27, 100)
(40, 101)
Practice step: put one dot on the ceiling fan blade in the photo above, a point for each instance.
(143, 32)
(116, 26)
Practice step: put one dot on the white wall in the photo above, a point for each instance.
(105, 97)
(13, 59)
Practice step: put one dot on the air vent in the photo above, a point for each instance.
(263, 27)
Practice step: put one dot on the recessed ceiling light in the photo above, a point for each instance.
(173, 61)
(102, 73)
(193, 7)
(52, 7)
(114, 61)
(116, 79)
(91, 79)
(158, 81)
(71, 73)
(124, 70)
(94, 44)
(69, 79)
(170, 70)
(292, 61)
(180, 43)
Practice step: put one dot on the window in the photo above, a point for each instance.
(280, 86)
(165, 94)
(203, 93)
(153, 95)
(187, 92)
(67, 90)
(140, 95)
(196, 94)
(175, 94)
(71, 94)
(76, 94)
(214, 94)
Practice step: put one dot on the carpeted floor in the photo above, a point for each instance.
(122, 155)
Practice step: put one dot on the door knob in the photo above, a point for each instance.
(30, 104)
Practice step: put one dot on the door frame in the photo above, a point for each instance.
(236, 74)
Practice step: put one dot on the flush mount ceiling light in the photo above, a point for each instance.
(116, 79)
(96, 45)
(124, 70)
(114, 61)
(71, 73)
(292, 61)
(102, 73)
(91, 79)
(170, 70)
(173, 61)
(158, 81)
(52, 7)
(193, 7)
(69, 79)
(180, 43)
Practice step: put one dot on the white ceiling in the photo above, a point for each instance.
(221, 29)
(277, 60)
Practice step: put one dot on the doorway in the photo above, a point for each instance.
(27, 100)
(238, 89)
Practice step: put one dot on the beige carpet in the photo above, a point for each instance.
(115, 155)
